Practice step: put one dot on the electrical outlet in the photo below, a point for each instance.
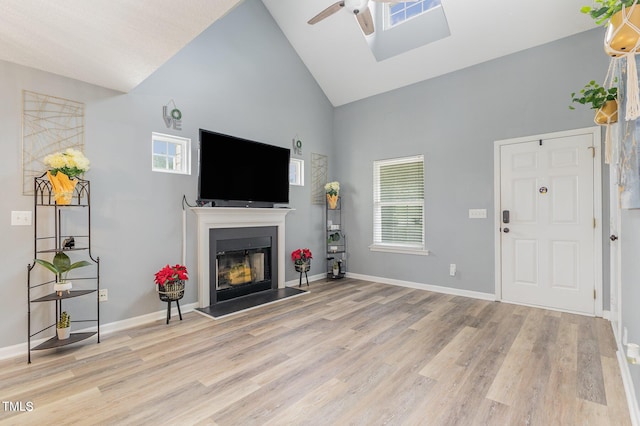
(477, 213)
(21, 218)
(452, 269)
(103, 295)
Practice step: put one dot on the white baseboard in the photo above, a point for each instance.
(312, 278)
(629, 390)
(606, 314)
(144, 319)
(428, 287)
(21, 348)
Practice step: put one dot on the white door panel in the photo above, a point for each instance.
(547, 248)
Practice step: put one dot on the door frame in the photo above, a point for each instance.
(596, 134)
(615, 252)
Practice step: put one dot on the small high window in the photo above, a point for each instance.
(296, 172)
(170, 154)
(397, 13)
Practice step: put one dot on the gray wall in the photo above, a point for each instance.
(240, 77)
(630, 276)
(453, 120)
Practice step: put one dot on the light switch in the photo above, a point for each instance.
(477, 213)
(20, 218)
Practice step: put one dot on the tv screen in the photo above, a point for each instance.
(239, 170)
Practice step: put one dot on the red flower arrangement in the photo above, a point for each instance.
(300, 256)
(171, 274)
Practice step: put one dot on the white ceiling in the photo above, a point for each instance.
(118, 43)
(110, 43)
(338, 56)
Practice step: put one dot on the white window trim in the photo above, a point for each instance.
(400, 248)
(186, 147)
(386, 15)
(388, 248)
(299, 164)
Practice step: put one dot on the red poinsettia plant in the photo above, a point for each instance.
(171, 274)
(301, 256)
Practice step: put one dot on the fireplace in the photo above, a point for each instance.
(226, 218)
(241, 261)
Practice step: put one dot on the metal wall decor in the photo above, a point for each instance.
(296, 145)
(318, 178)
(49, 125)
(172, 118)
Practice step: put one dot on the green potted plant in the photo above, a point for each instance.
(61, 266)
(603, 10)
(603, 100)
(63, 326)
(336, 268)
(620, 37)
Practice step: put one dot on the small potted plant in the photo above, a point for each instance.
(170, 281)
(63, 326)
(302, 259)
(336, 268)
(63, 167)
(333, 190)
(61, 266)
(604, 101)
(621, 36)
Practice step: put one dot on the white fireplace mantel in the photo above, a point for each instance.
(235, 217)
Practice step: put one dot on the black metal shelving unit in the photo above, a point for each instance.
(336, 241)
(48, 241)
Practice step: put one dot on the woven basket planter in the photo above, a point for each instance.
(171, 291)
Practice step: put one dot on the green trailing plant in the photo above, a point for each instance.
(603, 10)
(333, 237)
(61, 265)
(65, 320)
(595, 95)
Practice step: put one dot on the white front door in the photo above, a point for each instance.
(547, 223)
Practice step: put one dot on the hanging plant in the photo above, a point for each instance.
(603, 10)
(594, 95)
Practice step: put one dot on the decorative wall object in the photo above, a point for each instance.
(172, 117)
(318, 178)
(49, 124)
(296, 144)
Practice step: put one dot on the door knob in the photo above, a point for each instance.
(613, 237)
(505, 230)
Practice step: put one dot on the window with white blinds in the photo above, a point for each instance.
(398, 205)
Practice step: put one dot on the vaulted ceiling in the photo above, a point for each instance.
(118, 43)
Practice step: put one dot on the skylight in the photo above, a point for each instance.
(423, 22)
(397, 13)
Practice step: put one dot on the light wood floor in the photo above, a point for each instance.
(351, 352)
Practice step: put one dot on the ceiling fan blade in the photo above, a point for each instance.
(366, 21)
(326, 13)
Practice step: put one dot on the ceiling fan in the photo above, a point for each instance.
(360, 8)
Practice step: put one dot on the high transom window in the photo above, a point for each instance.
(397, 13)
(170, 154)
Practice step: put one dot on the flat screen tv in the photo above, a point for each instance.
(240, 172)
